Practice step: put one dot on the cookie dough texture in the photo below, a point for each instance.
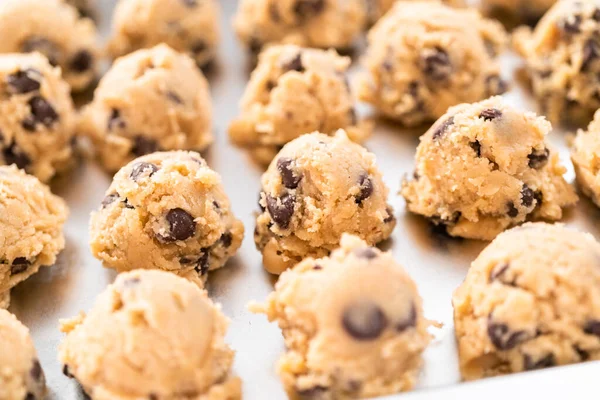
(586, 159)
(294, 91)
(54, 29)
(37, 118)
(484, 167)
(353, 325)
(424, 57)
(317, 188)
(515, 12)
(150, 335)
(188, 26)
(562, 57)
(166, 211)
(21, 375)
(311, 23)
(150, 100)
(31, 222)
(530, 300)
(377, 8)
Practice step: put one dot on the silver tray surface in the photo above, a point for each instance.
(437, 263)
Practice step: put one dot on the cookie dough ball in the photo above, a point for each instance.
(294, 91)
(562, 57)
(188, 26)
(31, 222)
(166, 211)
(424, 57)
(36, 115)
(586, 150)
(530, 300)
(353, 325)
(311, 23)
(54, 29)
(515, 12)
(150, 335)
(150, 100)
(317, 188)
(485, 167)
(21, 375)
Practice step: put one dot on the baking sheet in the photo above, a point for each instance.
(438, 264)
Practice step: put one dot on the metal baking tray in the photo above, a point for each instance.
(437, 263)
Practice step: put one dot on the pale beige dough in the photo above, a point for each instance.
(150, 100)
(150, 335)
(317, 188)
(294, 91)
(377, 8)
(31, 228)
(586, 159)
(37, 118)
(485, 167)
(515, 12)
(166, 211)
(54, 29)
(188, 26)
(531, 300)
(21, 375)
(353, 325)
(311, 23)
(424, 57)
(562, 57)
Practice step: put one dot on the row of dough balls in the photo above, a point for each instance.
(353, 325)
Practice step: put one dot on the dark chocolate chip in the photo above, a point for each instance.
(24, 81)
(409, 322)
(442, 128)
(19, 264)
(490, 114)
(226, 239)
(198, 47)
(527, 196)
(36, 371)
(82, 61)
(502, 338)
(583, 354)
(596, 15)
(390, 212)
(495, 85)
(255, 44)
(313, 393)
(128, 205)
(66, 371)
(181, 225)
(530, 363)
(109, 199)
(190, 3)
(142, 169)
(571, 24)
(202, 264)
(512, 211)
(538, 159)
(115, 120)
(366, 253)
(295, 64)
(13, 155)
(42, 111)
(317, 267)
(364, 321)
(498, 272)
(30, 396)
(437, 65)
(591, 52)
(260, 197)
(153, 396)
(308, 8)
(270, 85)
(592, 327)
(366, 188)
(476, 146)
(44, 46)
(143, 145)
(281, 209)
(174, 97)
(289, 176)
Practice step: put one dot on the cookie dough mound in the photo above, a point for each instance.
(54, 29)
(36, 116)
(150, 335)
(586, 150)
(515, 12)
(311, 23)
(21, 375)
(317, 188)
(530, 300)
(31, 222)
(294, 91)
(562, 57)
(166, 211)
(188, 26)
(485, 167)
(150, 100)
(353, 325)
(424, 57)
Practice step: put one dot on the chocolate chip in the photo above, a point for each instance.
(13, 155)
(530, 364)
(108, 200)
(141, 169)
(313, 393)
(592, 327)
(596, 15)
(502, 337)
(42, 111)
(308, 8)
(202, 264)
(527, 196)
(270, 85)
(153, 396)
(512, 210)
(495, 85)
(174, 97)
(281, 209)
(36, 371)
(490, 114)
(82, 61)
(190, 3)
(409, 322)
(226, 239)
(44, 46)
(181, 225)
(128, 205)
(436, 64)
(442, 128)
(498, 272)
(24, 81)
(19, 264)
(255, 45)
(364, 321)
(571, 24)
(476, 146)
(366, 253)
(260, 196)
(289, 176)
(366, 188)
(295, 64)
(583, 354)
(198, 47)
(591, 52)
(66, 372)
(390, 212)
(143, 145)
(538, 159)
(30, 396)
(353, 116)
(115, 120)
